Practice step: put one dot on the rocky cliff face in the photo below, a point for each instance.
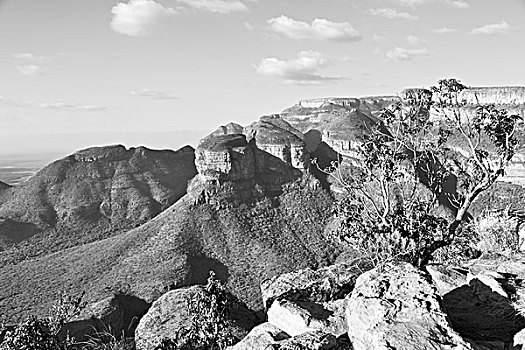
(270, 152)
(501, 96)
(226, 157)
(275, 136)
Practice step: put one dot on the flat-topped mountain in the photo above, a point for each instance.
(91, 194)
(243, 236)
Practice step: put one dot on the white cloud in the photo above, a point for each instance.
(138, 17)
(391, 13)
(217, 6)
(319, 29)
(444, 30)
(494, 28)
(402, 54)
(459, 4)
(29, 57)
(378, 38)
(14, 103)
(414, 40)
(65, 106)
(155, 94)
(303, 70)
(410, 3)
(29, 69)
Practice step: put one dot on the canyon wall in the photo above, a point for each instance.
(502, 96)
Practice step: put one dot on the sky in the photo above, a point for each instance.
(163, 73)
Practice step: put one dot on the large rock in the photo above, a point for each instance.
(119, 313)
(310, 300)
(269, 337)
(446, 278)
(170, 313)
(397, 308)
(315, 340)
(321, 285)
(483, 310)
(296, 318)
(261, 337)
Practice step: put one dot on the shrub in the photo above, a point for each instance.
(209, 326)
(496, 232)
(32, 334)
(43, 333)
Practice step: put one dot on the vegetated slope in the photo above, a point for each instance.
(89, 195)
(243, 244)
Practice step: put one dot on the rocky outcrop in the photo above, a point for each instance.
(261, 337)
(310, 300)
(170, 313)
(395, 307)
(228, 129)
(482, 308)
(119, 313)
(299, 317)
(325, 284)
(500, 96)
(446, 279)
(275, 136)
(226, 158)
(271, 153)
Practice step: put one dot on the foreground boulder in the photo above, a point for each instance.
(119, 313)
(321, 285)
(310, 300)
(483, 309)
(299, 317)
(269, 337)
(397, 308)
(261, 337)
(170, 313)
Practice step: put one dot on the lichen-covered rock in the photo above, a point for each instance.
(164, 318)
(446, 278)
(397, 308)
(170, 313)
(261, 337)
(300, 317)
(483, 310)
(315, 340)
(322, 285)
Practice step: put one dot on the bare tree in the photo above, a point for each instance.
(424, 144)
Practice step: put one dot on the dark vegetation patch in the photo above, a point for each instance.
(248, 242)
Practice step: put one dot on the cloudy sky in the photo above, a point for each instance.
(162, 73)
